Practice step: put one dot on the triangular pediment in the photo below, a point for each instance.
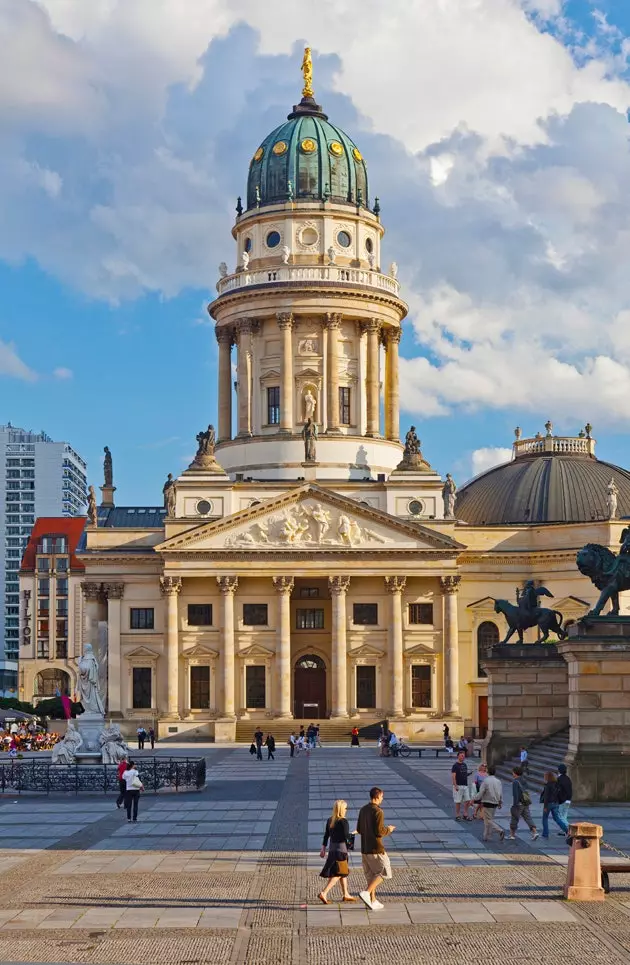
(366, 651)
(420, 651)
(309, 517)
(200, 651)
(486, 603)
(144, 653)
(567, 603)
(255, 650)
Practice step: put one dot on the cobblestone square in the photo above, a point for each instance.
(231, 874)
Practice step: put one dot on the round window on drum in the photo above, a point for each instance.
(273, 239)
(204, 507)
(344, 238)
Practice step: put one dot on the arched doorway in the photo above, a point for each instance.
(52, 683)
(309, 687)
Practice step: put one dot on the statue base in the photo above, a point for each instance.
(107, 496)
(205, 464)
(90, 727)
(91, 757)
(412, 462)
(310, 471)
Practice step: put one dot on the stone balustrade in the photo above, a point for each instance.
(323, 274)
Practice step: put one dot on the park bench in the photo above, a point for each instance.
(442, 750)
(612, 868)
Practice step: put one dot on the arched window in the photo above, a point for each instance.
(310, 662)
(487, 636)
(52, 683)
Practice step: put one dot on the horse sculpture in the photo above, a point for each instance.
(609, 573)
(519, 619)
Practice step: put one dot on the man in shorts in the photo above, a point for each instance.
(461, 791)
(372, 828)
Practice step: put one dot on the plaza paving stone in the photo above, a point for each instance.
(231, 874)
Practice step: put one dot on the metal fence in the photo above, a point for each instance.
(156, 773)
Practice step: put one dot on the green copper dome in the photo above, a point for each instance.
(307, 159)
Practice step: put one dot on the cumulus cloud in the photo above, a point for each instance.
(483, 459)
(63, 373)
(495, 135)
(12, 365)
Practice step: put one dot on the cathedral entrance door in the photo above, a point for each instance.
(309, 687)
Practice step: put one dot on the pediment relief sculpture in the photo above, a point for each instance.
(306, 524)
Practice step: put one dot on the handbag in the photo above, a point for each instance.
(137, 785)
(252, 749)
(342, 866)
(526, 799)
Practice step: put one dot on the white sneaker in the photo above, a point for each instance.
(377, 905)
(365, 898)
(535, 835)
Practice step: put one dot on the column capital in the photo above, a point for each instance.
(244, 327)
(395, 584)
(450, 584)
(332, 320)
(390, 334)
(227, 584)
(283, 584)
(371, 325)
(285, 320)
(114, 591)
(338, 584)
(224, 336)
(92, 592)
(170, 585)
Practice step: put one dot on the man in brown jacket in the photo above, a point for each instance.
(376, 867)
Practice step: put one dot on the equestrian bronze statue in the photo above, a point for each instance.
(526, 613)
(609, 573)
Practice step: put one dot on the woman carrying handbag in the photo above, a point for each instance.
(339, 839)
(134, 786)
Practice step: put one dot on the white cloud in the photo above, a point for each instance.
(483, 459)
(12, 365)
(63, 373)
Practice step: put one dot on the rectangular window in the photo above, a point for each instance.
(61, 564)
(61, 649)
(43, 564)
(344, 405)
(309, 620)
(43, 606)
(62, 628)
(142, 688)
(421, 613)
(42, 649)
(255, 615)
(199, 614)
(366, 688)
(421, 686)
(309, 592)
(200, 688)
(62, 587)
(273, 405)
(62, 608)
(141, 618)
(365, 614)
(255, 687)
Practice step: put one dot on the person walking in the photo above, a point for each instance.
(141, 737)
(318, 739)
(152, 738)
(374, 858)
(354, 737)
(338, 838)
(292, 742)
(133, 786)
(461, 791)
(549, 801)
(524, 760)
(490, 796)
(122, 784)
(270, 744)
(521, 803)
(565, 793)
(258, 740)
(479, 778)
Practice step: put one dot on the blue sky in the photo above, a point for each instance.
(496, 140)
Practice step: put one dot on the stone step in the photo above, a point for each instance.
(543, 756)
(330, 731)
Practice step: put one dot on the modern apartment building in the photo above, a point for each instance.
(38, 477)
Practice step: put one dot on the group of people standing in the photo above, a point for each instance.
(339, 840)
(304, 741)
(260, 741)
(144, 736)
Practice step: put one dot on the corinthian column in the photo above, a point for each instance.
(284, 588)
(338, 586)
(171, 587)
(395, 586)
(450, 586)
(114, 593)
(92, 594)
(244, 367)
(392, 389)
(228, 586)
(372, 328)
(332, 322)
(285, 324)
(225, 339)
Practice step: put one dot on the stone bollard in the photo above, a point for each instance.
(584, 873)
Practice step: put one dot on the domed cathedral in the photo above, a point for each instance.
(308, 565)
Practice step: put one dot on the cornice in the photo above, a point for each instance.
(312, 554)
(375, 296)
(518, 558)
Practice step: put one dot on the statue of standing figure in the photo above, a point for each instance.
(309, 404)
(92, 508)
(309, 434)
(169, 493)
(449, 495)
(108, 469)
(88, 685)
(612, 494)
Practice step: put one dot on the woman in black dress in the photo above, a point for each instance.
(338, 837)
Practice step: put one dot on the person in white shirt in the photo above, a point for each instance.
(132, 794)
(524, 760)
(490, 796)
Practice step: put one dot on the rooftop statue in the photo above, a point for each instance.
(412, 443)
(92, 508)
(609, 573)
(108, 469)
(526, 613)
(307, 71)
(169, 492)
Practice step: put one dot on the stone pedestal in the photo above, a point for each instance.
(224, 731)
(584, 873)
(527, 697)
(597, 653)
(89, 727)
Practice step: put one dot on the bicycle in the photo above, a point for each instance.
(403, 749)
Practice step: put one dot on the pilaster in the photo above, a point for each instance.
(170, 587)
(228, 586)
(395, 586)
(284, 588)
(450, 586)
(338, 586)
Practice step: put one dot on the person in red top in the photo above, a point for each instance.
(122, 784)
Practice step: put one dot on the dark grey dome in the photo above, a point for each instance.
(543, 488)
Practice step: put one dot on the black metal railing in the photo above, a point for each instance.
(156, 773)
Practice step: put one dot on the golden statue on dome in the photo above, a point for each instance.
(307, 71)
